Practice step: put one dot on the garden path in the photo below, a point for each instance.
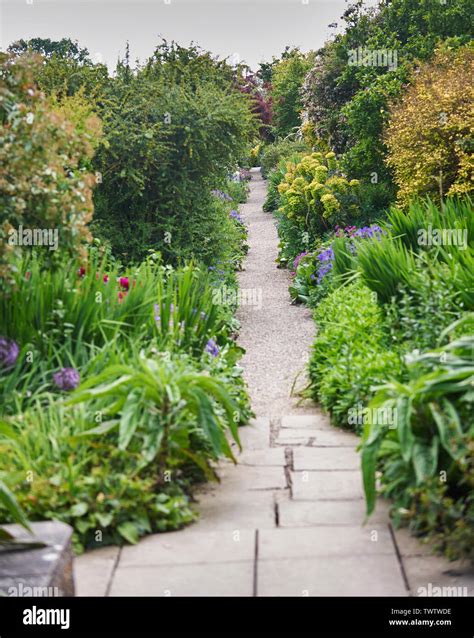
(288, 519)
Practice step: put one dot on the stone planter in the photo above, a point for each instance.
(39, 572)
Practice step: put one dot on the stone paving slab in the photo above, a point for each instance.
(333, 458)
(253, 478)
(324, 541)
(255, 435)
(315, 421)
(210, 579)
(190, 546)
(316, 437)
(311, 513)
(264, 458)
(93, 570)
(427, 572)
(377, 575)
(322, 485)
(231, 510)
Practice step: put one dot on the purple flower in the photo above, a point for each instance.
(157, 312)
(326, 255)
(298, 259)
(9, 351)
(67, 379)
(221, 195)
(212, 348)
(373, 230)
(235, 215)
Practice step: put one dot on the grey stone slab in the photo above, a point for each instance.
(210, 579)
(438, 577)
(329, 437)
(219, 509)
(255, 435)
(377, 575)
(272, 456)
(252, 478)
(310, 513)
(325, 458)
(314, 421)
(93, 571)
(190, 546)
(324, 541)
(50, 566)
(321, 485)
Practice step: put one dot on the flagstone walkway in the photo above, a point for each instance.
(288, 519)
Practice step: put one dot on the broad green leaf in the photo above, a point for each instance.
(403, 421)
(129, 532)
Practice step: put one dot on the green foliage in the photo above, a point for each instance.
(283, 150)
(351, 352)
(428, 454)
(156, 405)
(287, 76)
(426, 244)
(60, 474)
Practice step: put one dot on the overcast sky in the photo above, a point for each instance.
(248, 30)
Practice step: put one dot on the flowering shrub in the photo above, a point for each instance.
(45, 182)
(315, 196)
(314, 272)
(431, 130)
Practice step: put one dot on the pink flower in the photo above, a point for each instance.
(124, 283)
(106, 279)
(81, 272)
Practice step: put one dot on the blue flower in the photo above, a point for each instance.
(212, 348)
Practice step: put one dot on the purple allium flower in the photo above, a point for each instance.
(67, 379)
(9, 351)
(212, 348)
(298, 259)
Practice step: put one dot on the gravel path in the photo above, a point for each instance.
(276, 335)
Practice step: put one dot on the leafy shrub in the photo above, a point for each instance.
(427, 457)
(351, 352)
(430, 135)
(46, 183)
(106, 494)
(188, 125)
